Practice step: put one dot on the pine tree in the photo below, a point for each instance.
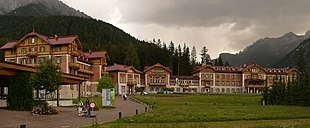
(20, 92)
(205, 57)
(220, 61)
(226, 63)
(131, 56)
(193, 56)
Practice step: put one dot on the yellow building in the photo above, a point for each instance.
(65, 51)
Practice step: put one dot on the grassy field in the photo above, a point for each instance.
(214, 111)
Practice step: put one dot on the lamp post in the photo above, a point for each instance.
(57, 95)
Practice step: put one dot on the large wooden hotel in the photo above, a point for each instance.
(67, 51)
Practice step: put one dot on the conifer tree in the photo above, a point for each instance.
(205, 57)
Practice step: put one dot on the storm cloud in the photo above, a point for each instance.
(221, 25)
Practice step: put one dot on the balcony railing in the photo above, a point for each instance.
(31, 54)
(158, 84)
(255, 86)
(74, 65)
(74, 53)
(132, 82)
(86, 71)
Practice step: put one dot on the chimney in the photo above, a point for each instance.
(89, 52)
(56, 37)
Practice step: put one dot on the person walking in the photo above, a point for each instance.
(80, 107)
(87, 106)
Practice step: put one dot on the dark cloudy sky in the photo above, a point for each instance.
(220, 25)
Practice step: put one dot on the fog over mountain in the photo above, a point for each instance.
(266, 51)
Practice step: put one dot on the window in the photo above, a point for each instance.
(237, 83)
(223, 76)
(32, 49)
(72, 87)
(42, 59)
(233, 83)
(24, 61)
(232, 76)
(58, 48)
(227, 83)
(13, 51)
(217, 83)
(227, 76)
(33, 60)
(223, 83)
(24, 50)
(58, 60)
(254, 70)
(12, 60)
(32, 40)
(42, 49)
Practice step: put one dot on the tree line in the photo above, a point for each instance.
(99, 35)
(295, 92)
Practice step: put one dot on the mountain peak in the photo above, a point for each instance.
(38, 8)
(307, 34)
(289, 34)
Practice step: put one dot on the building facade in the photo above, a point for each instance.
(65, 51)
(126, 78)
(215, 79)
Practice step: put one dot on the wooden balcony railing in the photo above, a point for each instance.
(86, 71)
(74, 53)
(31, 53)
(74, 65)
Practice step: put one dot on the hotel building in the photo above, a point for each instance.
(215, 79)
(65, 51)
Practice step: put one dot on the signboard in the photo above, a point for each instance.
(92, 105)
(106, 97)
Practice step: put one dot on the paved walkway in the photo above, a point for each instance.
(68, 117)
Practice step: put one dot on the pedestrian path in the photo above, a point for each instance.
(68, 117)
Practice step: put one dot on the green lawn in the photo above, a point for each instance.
(212, 111)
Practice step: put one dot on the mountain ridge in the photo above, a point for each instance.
(266, 51)
(38, 8)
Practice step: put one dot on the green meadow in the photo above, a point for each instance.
(171, 110)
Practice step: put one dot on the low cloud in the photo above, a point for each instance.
(221, 25)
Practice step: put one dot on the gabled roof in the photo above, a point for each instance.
(97, 54)
(280, 70)
(121, 68)
(61, 40)
(146, 68)
(254, 65)
(9, 45)
(52, 41)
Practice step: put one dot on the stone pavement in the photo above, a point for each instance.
(68, 117)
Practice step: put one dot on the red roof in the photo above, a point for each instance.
(62, 40)
(121, 67)
(52, 41)
(9, 45)
(118, 67)
(96, 54)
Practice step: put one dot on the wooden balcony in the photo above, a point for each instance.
(74, 53)
(255, 86)
(158, 84)
(86, 71)
(74, 65)
(132, 83)
(31, 54)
